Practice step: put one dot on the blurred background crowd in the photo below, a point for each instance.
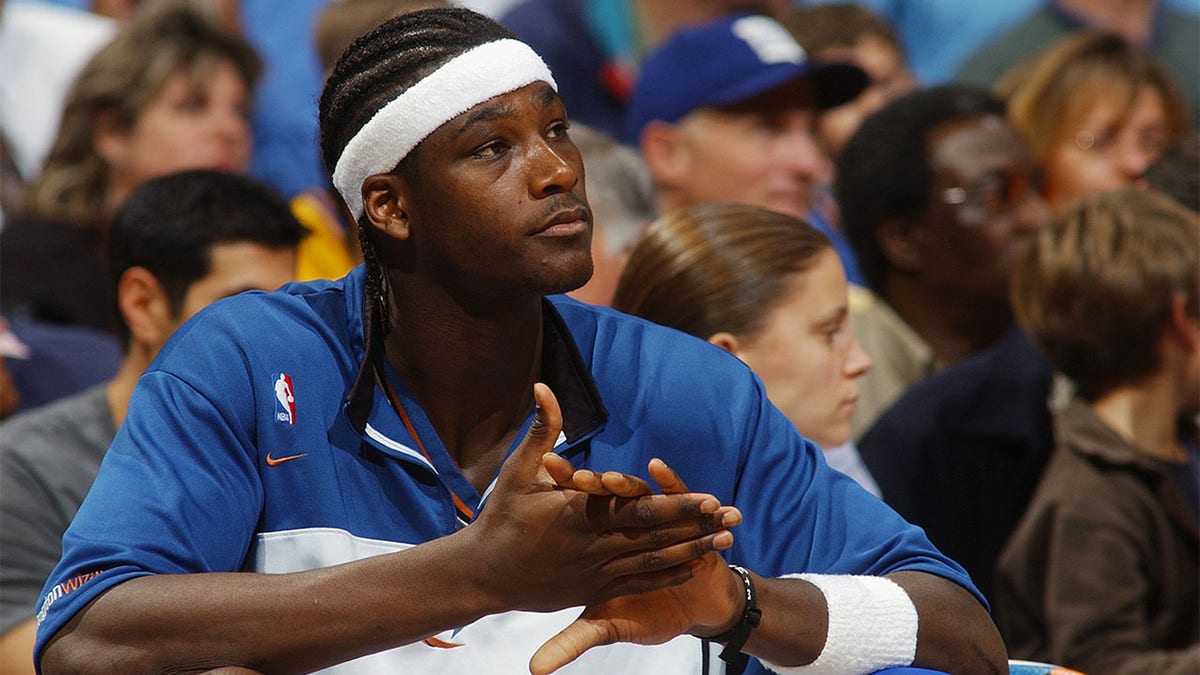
(958, 241)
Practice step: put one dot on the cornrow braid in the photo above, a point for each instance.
(397, 54)
(374, 70)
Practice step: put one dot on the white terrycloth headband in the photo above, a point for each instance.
(460, 84)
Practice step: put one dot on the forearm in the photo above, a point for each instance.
(794, 622)
(275, 623)
(954, 632)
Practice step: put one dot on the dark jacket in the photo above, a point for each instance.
(960, 453)
(1103, 573)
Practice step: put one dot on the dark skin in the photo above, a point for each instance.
(510, 177)
(951, 263)
(587, 549)
(954, 635)
(550, 546)
(514, 150)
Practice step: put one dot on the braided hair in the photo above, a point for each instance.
(374, 70)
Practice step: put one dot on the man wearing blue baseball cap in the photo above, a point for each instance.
(725, 111)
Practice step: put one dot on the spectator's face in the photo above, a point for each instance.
(760, 152)
(238, 266)
(186, 125)
(1110, 150)
(984, 204)
(497, 206)
(807, 356)
(888, 79)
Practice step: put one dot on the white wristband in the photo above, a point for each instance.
(872, 626)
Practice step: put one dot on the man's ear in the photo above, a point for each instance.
(385, 203)
(664, 152)
(144, 307)
(901, 244)
(726, 341)
(1182, 325)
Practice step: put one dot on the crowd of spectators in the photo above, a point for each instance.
(955, 243)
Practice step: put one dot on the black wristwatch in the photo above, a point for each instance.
(735, 638)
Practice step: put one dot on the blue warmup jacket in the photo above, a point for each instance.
(238, 454)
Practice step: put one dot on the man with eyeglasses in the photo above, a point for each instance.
(939, 195)
(937, 192)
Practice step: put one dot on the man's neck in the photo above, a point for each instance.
(472, 374)
(119, 389)
(954, 329)
(1146, 416)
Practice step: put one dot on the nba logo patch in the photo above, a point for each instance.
(285, 399)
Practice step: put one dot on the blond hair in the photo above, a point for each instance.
(1096, 286)
(1050, 94)
(158, 42)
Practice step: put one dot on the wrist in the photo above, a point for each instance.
(477, 570)
(735, 638)
(732, 604)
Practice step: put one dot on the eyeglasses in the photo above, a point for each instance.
(995, 195)
(1146, 141)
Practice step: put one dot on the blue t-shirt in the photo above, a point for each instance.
(238, 453)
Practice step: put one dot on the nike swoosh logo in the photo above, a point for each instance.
(440, 644)
(276, 461)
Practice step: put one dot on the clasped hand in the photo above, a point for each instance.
(644, 565)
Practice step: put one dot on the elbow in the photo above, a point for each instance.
(69, 653)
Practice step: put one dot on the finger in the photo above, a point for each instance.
(617, 543)
(647, 582)
(625, 485)
(608, 484)
(651, 511)
(526, 462)
(668, 481)
(588, 481)
(729, 516)
(569, 644)
(559, 469)
(641, 560)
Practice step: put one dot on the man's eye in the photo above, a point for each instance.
(490, 150)
(559, 129)
(193, 103)
(992, 197)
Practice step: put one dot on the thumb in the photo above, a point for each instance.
(668, 481)
(568, 645)
(526, 460)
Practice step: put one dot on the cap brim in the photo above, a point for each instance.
(834, 83)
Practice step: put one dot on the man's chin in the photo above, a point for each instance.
(566, 278)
